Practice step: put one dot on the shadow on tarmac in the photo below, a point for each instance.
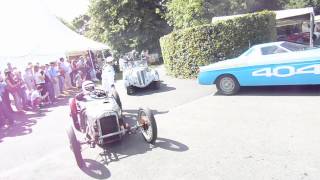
(149, 90)
(95, 169)
(310, 90)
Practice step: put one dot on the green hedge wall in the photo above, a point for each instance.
(185, 50)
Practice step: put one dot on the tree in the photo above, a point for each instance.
(258, 5)
(128, 24)
(304, 3)
(187, 13)
(81, 24)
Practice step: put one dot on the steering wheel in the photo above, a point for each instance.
(98, 94)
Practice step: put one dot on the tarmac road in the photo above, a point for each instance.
(263, 133)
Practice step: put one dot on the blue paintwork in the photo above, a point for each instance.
(245, 77)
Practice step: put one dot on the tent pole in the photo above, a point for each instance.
(311, 28)
(94, 70)
(103, 54)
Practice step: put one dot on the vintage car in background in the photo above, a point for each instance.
(269, 64)
(137, 74)
(98, 118)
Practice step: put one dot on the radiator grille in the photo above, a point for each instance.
(109, 125)
(141, 77)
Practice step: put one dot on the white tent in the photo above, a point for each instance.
(29, 33)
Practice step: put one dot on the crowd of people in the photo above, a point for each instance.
(39, 85)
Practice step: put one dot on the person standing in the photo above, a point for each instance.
(22, 88)
(39, 76)
(61, 73)
(5, 111)
(48, 83)
(74, 71)
(12, 87)
(29, 79)
(66, 66)
(54, 78)
(108, 75)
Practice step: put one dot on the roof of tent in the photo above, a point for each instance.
(284, 17)
(28, 30)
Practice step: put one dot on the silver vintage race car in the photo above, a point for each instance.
(98, 117)
(137, 74)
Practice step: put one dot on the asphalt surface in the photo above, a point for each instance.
(263, 133)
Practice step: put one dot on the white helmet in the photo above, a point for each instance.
(88, 86)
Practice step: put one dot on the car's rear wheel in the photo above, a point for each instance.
(227, 85)
(75, 146)
(148, 125)
(130, 90)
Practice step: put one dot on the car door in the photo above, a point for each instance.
(259, 69)
(292, 68)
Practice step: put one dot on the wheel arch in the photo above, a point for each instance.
(226, 74)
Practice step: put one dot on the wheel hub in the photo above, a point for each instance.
(227, 84)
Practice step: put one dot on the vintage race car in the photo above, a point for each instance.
(136, 73)
(269, 64)
(98, 117)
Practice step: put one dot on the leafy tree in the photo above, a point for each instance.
(81, 24)
(128, 24)
(304, 3)
(188, 13)
(258, 5)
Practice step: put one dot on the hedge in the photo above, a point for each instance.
(185, 50)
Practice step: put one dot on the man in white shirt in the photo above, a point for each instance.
(108, 75)
(66, 66)
(38, 76)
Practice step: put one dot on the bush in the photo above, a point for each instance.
(185, 50)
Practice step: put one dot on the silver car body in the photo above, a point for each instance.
(138, 74)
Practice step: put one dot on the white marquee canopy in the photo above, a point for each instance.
(28, 32)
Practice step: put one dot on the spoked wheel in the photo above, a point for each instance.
(75, 146)
(116, 96)
(148, 125)
(75, 121)
(130, 90)
(228, 85)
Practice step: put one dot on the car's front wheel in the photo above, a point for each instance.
(227, 85)
(130, 90)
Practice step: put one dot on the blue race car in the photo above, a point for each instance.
(269, 64)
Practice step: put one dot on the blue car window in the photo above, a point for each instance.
(294, 46)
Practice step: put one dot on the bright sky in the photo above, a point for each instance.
(67, 9)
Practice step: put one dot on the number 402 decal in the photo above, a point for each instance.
(287, 71)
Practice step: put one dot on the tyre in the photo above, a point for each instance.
(75, 146)
(75, 121)
(116, 96)
(227, 85)
(148, 125)
(130, 90)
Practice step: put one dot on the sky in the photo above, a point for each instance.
(67, 9)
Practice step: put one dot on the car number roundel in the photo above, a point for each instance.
(287, 71)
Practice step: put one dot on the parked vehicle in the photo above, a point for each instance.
(269, 64)
(137, 74)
